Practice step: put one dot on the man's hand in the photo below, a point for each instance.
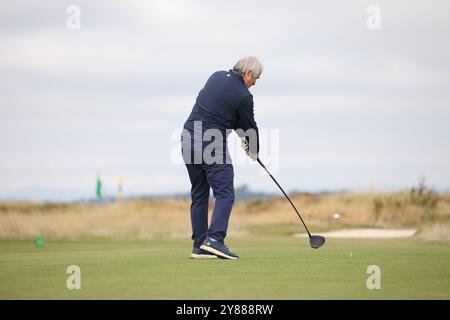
(245, 146)
(252, 156)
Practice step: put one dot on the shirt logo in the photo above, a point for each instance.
(228, 75)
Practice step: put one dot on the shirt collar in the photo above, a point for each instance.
(236, 74)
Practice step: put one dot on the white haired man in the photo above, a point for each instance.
(224, 104)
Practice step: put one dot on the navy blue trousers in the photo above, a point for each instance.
(218, 177)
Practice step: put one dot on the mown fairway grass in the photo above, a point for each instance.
(276, 267)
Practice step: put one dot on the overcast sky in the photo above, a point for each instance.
(350, 107)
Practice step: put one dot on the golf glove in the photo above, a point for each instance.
(244, 144)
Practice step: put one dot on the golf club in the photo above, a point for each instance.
(315, 241)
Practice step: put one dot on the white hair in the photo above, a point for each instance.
(249, 64)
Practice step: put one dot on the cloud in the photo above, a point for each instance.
(109, 96)
(302, 46)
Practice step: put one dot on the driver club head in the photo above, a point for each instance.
(316, 241)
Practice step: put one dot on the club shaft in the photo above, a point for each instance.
(262, 165)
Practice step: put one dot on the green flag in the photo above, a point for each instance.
(99, 187)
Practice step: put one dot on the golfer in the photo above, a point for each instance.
(224, 104)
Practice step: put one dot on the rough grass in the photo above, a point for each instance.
(168, 218)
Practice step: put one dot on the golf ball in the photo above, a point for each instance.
(336, 215)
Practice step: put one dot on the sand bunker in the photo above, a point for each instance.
(366, 233)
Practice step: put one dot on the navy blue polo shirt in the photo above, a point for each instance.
(224, 103)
